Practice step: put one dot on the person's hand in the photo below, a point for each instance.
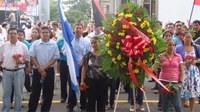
(28, 70)
(187, 64)
(43, 74)
(154, 68)
(80, 63)
(41, 69)
(179, 85)
(18, 61)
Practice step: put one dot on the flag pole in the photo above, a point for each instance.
(191, 14)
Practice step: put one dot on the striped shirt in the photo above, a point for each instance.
(170, 68)
(81, 47)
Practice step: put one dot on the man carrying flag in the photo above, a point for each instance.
(75, 49)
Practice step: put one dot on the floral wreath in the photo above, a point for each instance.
(130, 44)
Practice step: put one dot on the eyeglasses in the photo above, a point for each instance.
(12, 33)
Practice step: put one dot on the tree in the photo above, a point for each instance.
(75, 10)
(54, 12)
(78, 10)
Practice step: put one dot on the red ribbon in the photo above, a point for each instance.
(135, 30)
(134, 46)
(133, 78)
(146, 69)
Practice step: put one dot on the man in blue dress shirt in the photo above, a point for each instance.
(43, 53)
(81, 47)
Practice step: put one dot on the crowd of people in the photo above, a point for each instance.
(30, 57)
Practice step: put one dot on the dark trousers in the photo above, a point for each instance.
(139, 96)
(96, 94)
(48, 88)
(83, 98)
(64, 74)
(0, 79)
(72, 97)
(111, 84)
(27, 83)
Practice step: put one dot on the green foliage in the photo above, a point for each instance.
(54, 11)
(75, 10)
(172, 88)
(78, 10)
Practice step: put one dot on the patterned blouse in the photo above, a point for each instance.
(93, 68)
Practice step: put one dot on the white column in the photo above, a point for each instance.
(44, 10)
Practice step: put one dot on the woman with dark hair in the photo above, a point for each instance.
(191, 80)
(95, 78)
(167, 35)
(35, 34)
(171, 72)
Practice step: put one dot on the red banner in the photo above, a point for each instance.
(196, 2)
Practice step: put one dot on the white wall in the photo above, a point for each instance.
(173, 10)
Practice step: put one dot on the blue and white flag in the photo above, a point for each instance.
(71, 57)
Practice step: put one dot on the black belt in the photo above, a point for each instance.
(12, 70)
(45, 69)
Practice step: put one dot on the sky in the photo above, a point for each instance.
(173, 10)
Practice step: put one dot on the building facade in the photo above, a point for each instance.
(110, 6)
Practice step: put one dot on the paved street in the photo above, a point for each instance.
(123, 105)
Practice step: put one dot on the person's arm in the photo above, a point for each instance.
(35, 62)
(28, 70)
(51, 62)
(37, 65)
(181, 66)
(181, 69)
(83, 73)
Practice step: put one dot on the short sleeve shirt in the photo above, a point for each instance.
(170, 68)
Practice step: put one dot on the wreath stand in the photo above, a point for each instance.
(117, 98)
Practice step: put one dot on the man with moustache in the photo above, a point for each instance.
(13, 70)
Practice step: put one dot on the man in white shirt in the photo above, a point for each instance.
(1, 37)
(13, 69)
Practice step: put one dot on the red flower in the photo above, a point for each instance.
(114, 38)
(167, 92)
(83, 87)
(16, 56)
(164, 90)
(138, 23)
(188, 57)
(19, 55)
(145, 32)
(152, 49)
(116, 15)
(118, 28)
(126, 9)
(128, 18)
(137, 12)
(111, 33)
(118, 39)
